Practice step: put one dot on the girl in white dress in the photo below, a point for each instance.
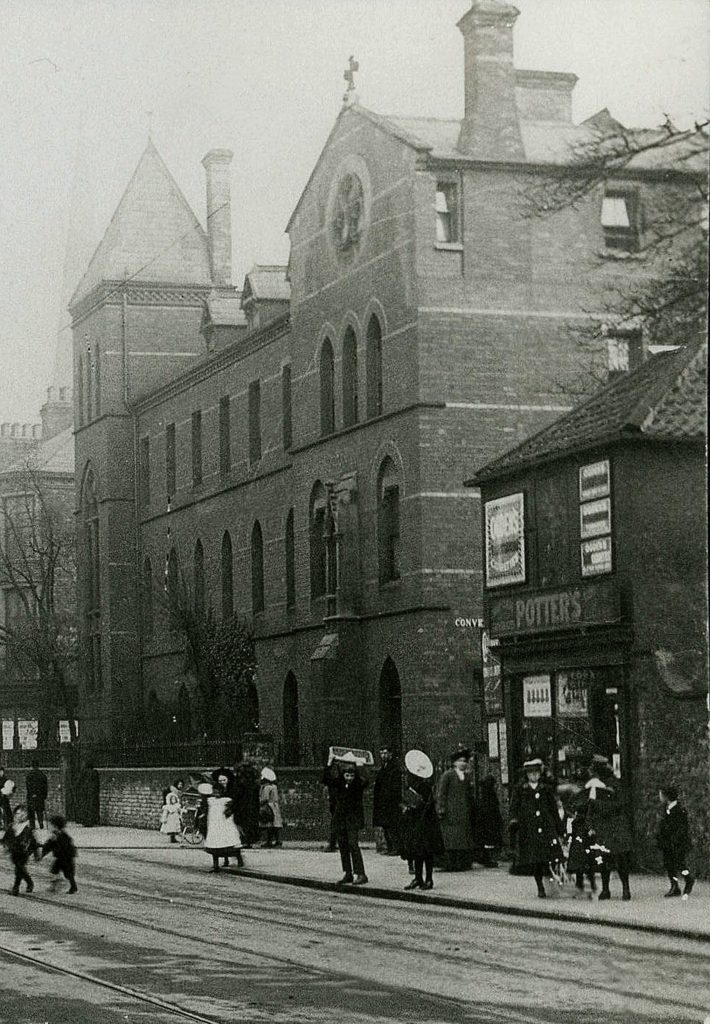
(222, 836)
(171, 814)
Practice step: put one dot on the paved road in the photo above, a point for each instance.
(226, 948)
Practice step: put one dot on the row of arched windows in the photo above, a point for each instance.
(388, 547)
(352, 409)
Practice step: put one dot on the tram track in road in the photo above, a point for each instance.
(262, 914)
(122, 990)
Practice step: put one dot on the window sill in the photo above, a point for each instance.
(449, 246)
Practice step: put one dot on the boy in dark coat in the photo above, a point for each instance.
(536, 824)
(674, 841)
(349, 818)
(386, 798)
(21, 844)
(36, 788)
(60, 844)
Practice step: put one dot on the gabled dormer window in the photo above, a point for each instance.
(621, 219)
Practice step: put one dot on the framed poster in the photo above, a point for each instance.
(537, 697)
(493, 748)
(594, 480)
(505, 540)
(503, 750)
(596, 556)
(572, 694)
(595, 518)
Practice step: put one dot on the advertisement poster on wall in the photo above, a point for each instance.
(492, 676)
(572, 694)
(8, 733)
(503, 750)
(27, 731)
(505, 540)
(594, 480)
(537, 697)
(595, 518)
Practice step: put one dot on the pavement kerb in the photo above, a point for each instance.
(461, 903)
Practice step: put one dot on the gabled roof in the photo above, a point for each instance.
(267, 282)
(153, 235)
(664, 399)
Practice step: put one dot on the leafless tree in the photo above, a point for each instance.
(38, 578)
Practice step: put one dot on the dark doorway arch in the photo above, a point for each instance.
(390, 707)
(292, 741)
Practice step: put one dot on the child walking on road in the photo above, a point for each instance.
(60, 844)
(21, 844)
(674, 842)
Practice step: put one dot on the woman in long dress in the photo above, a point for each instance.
(222, 837)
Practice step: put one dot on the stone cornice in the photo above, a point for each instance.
(139, 293)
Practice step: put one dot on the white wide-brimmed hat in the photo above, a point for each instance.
(417, 762)
(268, 774)
(205, 788)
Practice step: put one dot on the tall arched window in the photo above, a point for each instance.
(290, 561)
(89, 384)
(316, 526)
(80, 390)
(92, 581)
(147, 609)
(199, 579)
(227, 577)
(327, 389)
(388, 546)
(349, 378)
(292, 742)
(257, 569)
(97, 379)
(390, 707)
(375, 404)
(172, 588)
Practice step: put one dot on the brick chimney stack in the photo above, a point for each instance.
(219, 214)
(57, 413)
(490, 129)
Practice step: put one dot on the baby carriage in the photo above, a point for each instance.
(190, 802)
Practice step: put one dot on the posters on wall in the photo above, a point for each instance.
(493, 748)
(27, 731)
(595, 518)
(505, 540)
(537, 697)
(594, 480)
(492, 676)
(8, 733)
(503, 750)
(572, 694)
(64, 734)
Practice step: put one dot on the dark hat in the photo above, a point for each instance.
(460, 751)
(227, 772)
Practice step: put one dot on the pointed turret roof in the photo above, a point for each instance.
(153, 235)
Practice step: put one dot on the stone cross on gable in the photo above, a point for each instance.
(349, 76)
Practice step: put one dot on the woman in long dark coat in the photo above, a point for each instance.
(608, 828)
(454, 802)
(536, 823)
(420, 834)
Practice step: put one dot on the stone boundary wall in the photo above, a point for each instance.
(132, 798)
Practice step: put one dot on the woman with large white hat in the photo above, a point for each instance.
(420, 832)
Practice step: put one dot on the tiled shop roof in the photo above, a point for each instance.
(664, 399)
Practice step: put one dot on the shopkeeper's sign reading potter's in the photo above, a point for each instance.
(549, 610)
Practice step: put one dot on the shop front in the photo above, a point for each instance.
(563, 693)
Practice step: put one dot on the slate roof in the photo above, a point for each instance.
(153, 235)
(54, 455)
(225, 310)
(267, 282)
(664, 399)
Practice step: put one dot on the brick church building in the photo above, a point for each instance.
(422, 327)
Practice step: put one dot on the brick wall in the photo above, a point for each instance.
(55, 795)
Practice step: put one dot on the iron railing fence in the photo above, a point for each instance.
(143, 755)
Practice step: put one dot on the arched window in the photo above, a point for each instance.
(388, 547)
(80, 390)
(390, 707)
(227, 577)
(172, 588)
(290, 561)
(89, 384)
(257, 569)
(375, 404)
(97, 379)
(147, 609)
(327, 389)
(349, 378)
(199, 579)
(316, 527)
(292, 743)
(92, 582)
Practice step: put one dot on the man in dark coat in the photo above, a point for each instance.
(386, 797)
(674, 841)
(349, 818)
(535, 823)
(36, 788)
(454, 804)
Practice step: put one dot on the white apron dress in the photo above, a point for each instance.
(222, 832)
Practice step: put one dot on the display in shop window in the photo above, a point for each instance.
(594, 480)
(596, 556)
(573, 694)
(537, 697)
(505, 540)
(595, 518)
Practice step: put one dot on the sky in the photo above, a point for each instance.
(83, 81)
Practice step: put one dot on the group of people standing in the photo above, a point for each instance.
(231, 809)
